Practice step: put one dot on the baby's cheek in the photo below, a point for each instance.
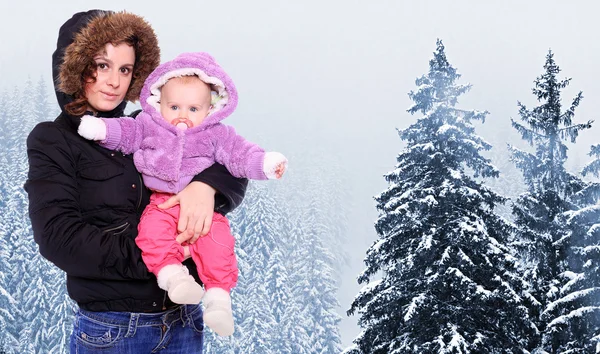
(167, 114)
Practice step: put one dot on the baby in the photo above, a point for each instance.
(177, 135)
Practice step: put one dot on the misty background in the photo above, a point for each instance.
(326, 82)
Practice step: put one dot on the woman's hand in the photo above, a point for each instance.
(197, 204)
(186, 252)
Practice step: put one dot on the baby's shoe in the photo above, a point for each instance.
(217, 311)
(180, 285)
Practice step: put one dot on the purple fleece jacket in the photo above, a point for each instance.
(168, 157)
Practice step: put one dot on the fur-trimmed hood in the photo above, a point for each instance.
(203, 65)
(85, 34)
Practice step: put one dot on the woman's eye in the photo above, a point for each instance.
(125, 71)
(102, 66)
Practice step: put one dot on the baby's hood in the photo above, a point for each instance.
(204, 66)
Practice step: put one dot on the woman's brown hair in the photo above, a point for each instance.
(80, 105)
(78, 66)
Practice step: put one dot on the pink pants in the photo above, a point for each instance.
(213, 254)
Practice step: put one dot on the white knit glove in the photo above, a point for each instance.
(274, 165)
(92, 128)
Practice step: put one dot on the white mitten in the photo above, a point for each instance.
(274, 165)
(92, 128)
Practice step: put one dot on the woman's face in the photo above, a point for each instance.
(114, 68)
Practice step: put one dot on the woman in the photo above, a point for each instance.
(85, 201)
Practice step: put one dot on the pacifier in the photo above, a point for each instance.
(182, 123)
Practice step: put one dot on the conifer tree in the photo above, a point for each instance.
(41, 107)
(259, 236)
(593, 168)
(575, 315)
(294, 322)
(543, 233)
(448, 281)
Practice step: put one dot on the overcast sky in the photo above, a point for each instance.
(334, 75)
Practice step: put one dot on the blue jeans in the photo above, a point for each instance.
(178, 330)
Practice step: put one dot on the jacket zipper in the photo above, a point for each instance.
(116, 227)
(141, 193)
(164, 304)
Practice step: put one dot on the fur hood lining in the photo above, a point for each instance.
(109, 27)
(216, 83)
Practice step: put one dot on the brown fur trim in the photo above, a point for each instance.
(110, 28)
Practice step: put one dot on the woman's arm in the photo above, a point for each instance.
(230, 191)
(63, 236)
(214, 189)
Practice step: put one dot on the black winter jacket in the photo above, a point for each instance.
(85, 203)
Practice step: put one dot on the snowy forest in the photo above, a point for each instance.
(474, 252)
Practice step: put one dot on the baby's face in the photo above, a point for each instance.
(185, 98)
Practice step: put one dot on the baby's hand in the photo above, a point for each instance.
(92, 128)
(280, 170)
(275, 165)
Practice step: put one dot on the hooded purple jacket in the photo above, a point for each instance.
(168, 157)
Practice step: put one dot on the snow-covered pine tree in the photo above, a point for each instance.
(259, 236)
(542, 231)
(6, 300)
(5, 167)
(22, 265)
(314, 254)
(448, 282)
(327, 184)
(575, 324)
(27, 119)
(41, 108)
(14, 222)
(36, 320)
(6, 304)
(293, 322)
(59, 312)
(336, 204)
(319, 219)
(4, 102)
(280, 293)
(594, 166)
(318, 288)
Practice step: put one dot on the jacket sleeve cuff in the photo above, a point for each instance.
(113, 134)
(255, 167)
